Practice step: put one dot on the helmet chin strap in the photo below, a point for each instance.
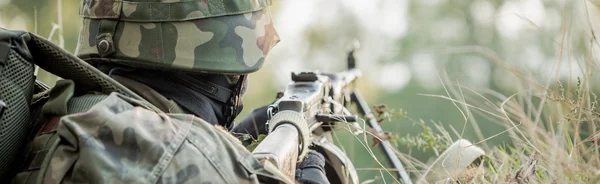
(234, 106)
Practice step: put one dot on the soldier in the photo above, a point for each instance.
(188, 59)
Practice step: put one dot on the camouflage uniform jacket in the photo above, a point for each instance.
(116, 140)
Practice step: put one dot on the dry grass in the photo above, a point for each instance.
(553, 123)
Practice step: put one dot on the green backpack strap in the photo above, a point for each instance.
(56, 60)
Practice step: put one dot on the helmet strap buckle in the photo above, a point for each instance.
(105, 44)
(104, 40)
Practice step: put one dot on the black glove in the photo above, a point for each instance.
(253, 124)
(312, 169)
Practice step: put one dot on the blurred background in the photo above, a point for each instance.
(408, 48)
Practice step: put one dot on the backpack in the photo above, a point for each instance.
(22, 96)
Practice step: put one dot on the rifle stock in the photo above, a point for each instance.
(280, 148)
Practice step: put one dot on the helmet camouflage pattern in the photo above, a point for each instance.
(209, 36)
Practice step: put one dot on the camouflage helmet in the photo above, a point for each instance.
(207, 36)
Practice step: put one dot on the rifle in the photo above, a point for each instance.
(311, 105)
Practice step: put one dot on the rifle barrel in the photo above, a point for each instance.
(364, 110)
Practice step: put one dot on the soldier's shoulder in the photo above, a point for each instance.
(117, 140)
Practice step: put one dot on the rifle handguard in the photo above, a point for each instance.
(296, 119)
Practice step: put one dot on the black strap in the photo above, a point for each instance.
(221, 94)
(212, 90)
